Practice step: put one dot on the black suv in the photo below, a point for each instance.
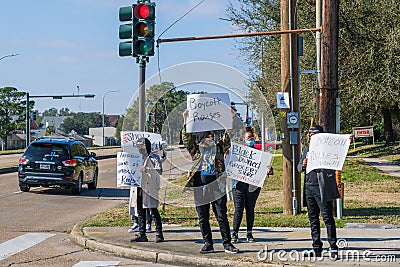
(55, 161)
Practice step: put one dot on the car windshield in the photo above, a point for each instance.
(46, 151)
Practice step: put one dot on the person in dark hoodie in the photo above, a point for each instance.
(320, 190)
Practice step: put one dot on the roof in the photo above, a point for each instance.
(113, 119)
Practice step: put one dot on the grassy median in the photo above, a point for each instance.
(370, 196)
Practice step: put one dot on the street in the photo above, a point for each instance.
(35, 225)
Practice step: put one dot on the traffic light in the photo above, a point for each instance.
(34, 115)
(125, 31)
(143, 30)
(140, 30)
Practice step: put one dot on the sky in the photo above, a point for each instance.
(70, 47)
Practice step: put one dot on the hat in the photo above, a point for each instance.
(316, 129)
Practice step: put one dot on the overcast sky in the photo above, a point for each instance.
(66, 44)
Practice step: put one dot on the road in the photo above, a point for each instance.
(35, 225)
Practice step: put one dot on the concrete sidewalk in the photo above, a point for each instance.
(361, 246)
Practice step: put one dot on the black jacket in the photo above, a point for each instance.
(326, 181)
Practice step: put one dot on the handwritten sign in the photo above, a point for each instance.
(128, 165)
(327, 151)
(208, 112)
(248, 165)
(129, 138)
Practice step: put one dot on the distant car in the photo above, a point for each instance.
(55, 161)
(268, 146)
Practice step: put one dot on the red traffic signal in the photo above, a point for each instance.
(144, 11)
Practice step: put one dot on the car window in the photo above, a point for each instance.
(46, 151)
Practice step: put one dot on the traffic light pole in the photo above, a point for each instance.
(142, 79)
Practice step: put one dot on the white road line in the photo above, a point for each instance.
(21, 243)
(96, 264)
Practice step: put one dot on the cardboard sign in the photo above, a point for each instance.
(208, 112)
(129, 138)
(327, 151)
(248, 165)
(128, 165)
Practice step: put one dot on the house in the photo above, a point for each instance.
(109, 136)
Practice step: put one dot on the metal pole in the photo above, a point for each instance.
(250, 34)
(103, 124)
(142, 93)
(27, 130)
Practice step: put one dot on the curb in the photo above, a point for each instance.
(78, 237)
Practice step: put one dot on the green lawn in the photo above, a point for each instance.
(369, 196)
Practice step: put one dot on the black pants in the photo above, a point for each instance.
(142, 216)
(315, 207)
(244, 199)
(220, 212)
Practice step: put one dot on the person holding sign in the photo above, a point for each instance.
(204, 179)
(147, 194)
(244, 197)
(320, 190)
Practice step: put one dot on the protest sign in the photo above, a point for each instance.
(129, 138)
(327, 151)
(248, 165)
(128, 165)
(208, 112)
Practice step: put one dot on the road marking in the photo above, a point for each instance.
(21, 243)
(96, 263)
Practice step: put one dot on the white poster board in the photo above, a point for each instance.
(208, 112)
(128, 165)
(248, 165)
(327, 151)
(129, 138)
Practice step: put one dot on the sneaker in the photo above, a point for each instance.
(208, 248)
(333, 254)
(140, 238)
(159, 238)
(231, 249)
(148, 228)
(250, 238)
(235, 237)
(134, 228)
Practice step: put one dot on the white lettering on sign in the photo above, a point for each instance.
(327, 151)
(208, 112)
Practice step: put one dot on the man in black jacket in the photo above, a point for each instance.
(320, 190)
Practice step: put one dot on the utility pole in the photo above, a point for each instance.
(329, 65)
(290, 136)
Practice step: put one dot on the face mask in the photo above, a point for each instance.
(143, 151)
(250, 142)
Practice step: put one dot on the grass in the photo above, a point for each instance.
(370, 196)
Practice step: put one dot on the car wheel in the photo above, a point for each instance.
(24, 187)
(93, 185)
(77, 189)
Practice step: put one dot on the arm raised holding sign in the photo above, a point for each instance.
(207, 179)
